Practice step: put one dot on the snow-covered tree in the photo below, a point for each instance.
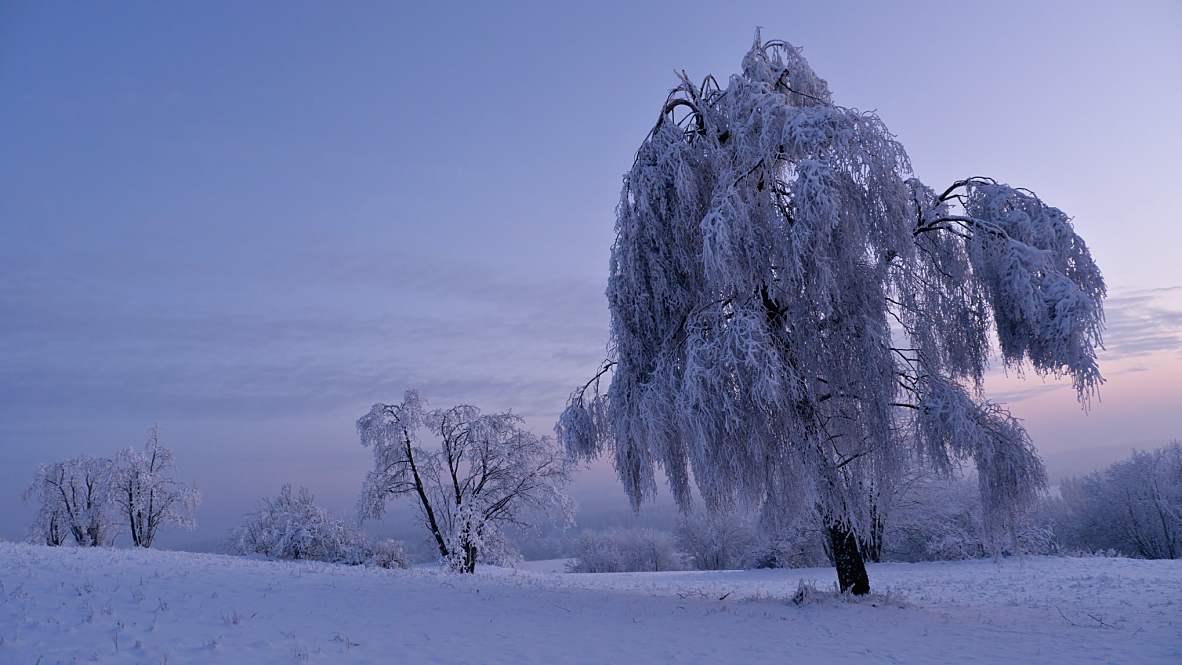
(291, 527)
(794, 317)
(76, 501)
(147, 498)
(1134, 506)
(294, 527)
(486, 472)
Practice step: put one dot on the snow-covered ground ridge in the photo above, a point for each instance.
(65, 605)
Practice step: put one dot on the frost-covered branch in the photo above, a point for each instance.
(294, 527)
(486, 473)
(765, 243)
(76, 502)
(147, 497)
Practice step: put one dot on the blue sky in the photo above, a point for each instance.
(249, 222)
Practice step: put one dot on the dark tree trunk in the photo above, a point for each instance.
(469, 558)
(851, 569)
(135, 533)
(871, 547)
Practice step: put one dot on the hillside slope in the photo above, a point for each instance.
(121, 606)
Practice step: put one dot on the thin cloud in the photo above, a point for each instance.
(1143, 322)
(336, 338)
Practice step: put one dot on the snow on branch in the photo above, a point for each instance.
(486, 472)
(1036, 274)
(793, 314)
(147, 496)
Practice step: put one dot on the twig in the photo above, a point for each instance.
(1101, 622)
(1065, 617)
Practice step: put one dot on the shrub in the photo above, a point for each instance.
(288, 527)
(378, 554)
(731, 540)
(624, 551)
(716, 541)
(783, 552)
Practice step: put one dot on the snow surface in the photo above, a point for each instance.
(131, 606)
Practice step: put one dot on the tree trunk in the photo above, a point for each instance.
(135, 534)
(469, 558)
(851, 569)
(871, 546)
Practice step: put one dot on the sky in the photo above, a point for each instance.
(248, 222)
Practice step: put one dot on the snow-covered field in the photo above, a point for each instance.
(64, 605)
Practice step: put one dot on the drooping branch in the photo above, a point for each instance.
(758, 283)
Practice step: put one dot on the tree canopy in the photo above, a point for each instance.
(90, 498)
(486, 472)
(795, 318)
(145, 494)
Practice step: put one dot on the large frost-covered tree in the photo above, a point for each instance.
(487, 472)
(146, 496)
(794, 318)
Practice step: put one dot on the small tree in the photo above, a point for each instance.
(146, 497)
(794, 318)
(486, 473)
(75, 496)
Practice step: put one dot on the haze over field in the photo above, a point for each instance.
(249, 225)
